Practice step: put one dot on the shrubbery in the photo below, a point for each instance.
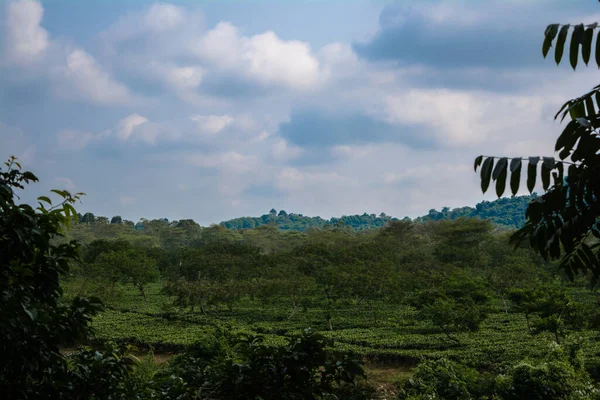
(560, 376)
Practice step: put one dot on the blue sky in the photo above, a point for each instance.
(216, 109)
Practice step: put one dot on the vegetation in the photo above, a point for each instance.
(563, 223)
(506, 212)
(273, 308)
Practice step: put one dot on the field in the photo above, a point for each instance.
(391, 335)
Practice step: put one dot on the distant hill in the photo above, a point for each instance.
(298, 222)
(506, 212)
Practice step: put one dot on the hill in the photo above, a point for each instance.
(505, 212)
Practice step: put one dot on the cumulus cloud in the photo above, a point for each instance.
(241, 115)
(212, 124)
(126, 126)
(25, 40)
(157, 18)
(92, 82)
(264, 57)
(283, 151)
(71, 71)
(173, 45)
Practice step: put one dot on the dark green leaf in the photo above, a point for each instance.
(61, 193)
(515, 175)
(501, 180)
(532, 173)
(586, 45)
(560, 175)
(560, 43)
(576, 39)
(590, 109)
(478, 161)
(486, 173)
(597, 52)
(545, 176)
(500, 166)
(577, 109)
(549, 162)
(566, 136)
(515, 163)
(45, 199)
(550, 34)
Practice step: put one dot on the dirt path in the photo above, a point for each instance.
(385, 377)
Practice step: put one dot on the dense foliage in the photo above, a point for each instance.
(558, 376)
(33, 321)
(506, 212)
(36, 321)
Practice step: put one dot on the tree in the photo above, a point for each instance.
(563, 223)
(457, 307)
(88, 218)
(33, 320)
(126, 266)
(116, 220)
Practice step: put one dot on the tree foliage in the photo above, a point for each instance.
(33, 320)
(563, 222)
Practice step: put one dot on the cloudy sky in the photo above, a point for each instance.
(217, 109)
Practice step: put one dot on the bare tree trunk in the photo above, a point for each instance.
(505, 305)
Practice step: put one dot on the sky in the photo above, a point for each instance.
(212, 110)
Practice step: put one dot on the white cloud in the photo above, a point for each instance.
(459, 118)
(212, 124)
(126, 126)
(264, 57)
(92, 82)
(69, 70)
(283, 151)
(157, 18)
(25, 40)
(183, 77)
(353, 152)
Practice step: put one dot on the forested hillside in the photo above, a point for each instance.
(507, 212)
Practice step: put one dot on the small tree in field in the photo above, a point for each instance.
(126, 266)
(459, 307)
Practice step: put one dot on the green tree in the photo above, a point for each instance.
(125, 266)
(563, 223)
(33, 320)
(88, 218)
(460, 306)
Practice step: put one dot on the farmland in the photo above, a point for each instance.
(397, 337)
